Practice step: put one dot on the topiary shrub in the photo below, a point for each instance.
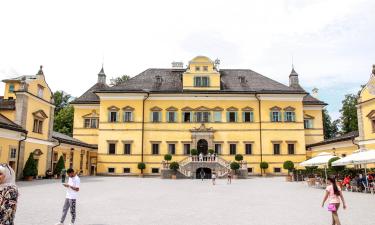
(211, 151)
(194, 151)
(234, 166)
(59, 166)
(167, 157)
(263, 166)
(174, 166)
(141, 166)
(238, 157)
(288, 165)
(30, 169)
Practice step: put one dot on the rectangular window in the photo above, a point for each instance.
(217, 116)
(291, 149)
(308, 123)
(111, 170)
(154, 170)
(13, 153)
(197, 68)
(289, 116)
(94, 123)
(249, 170)
(37, 126)
(232, 149)
(11, 88)
(277, 170)
(171, 117)
(275, 116)
(248, 149)
(156, 117)
(202, 117)
(113, 117)
(187, 149)
(128, 116)
(232, 116)
(40, 91)
(248, 116)
(201, 81)
(155, 149)
(186, 117)
(276, 149)
(205, 81)
(172, 149)
(111, 148)
(81, 162)
(87, 123)
(218, 149)
(55, 156)
(205, 68)
(127, 149)
(126, 170)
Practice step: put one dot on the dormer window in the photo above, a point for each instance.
(40, 91)
(201, 81)
(242, 80)
(197, 68)
(11, 88)
(39, 117)
(158, 79)
(205, 68)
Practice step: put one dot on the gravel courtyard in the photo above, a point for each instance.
(153, 201)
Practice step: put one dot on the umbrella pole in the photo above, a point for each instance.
(366, 174)
(325, 171)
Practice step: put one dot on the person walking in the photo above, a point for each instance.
(203, 174)
(63, 175)
(213, 178)
(8, 195)
(200, 157)
(71, 196)
(334, 193)
(229, 178)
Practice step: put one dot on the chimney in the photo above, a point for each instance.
(177, 65)
(293, 79)
(102, 78)
(217, 64)
(40, 72)
(315, 92)
(373, 70)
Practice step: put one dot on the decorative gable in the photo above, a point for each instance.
(113, 108)
(202, 108)
(217, 108)
(91, 115)
(247, 109)
(289, 108)
(275, 108)
(37, 152)
(232, 108)
(187, 109)
(155, 109)
(371, 115)
(173, 109)
(40, 114)
(306, 116)
(128, 108)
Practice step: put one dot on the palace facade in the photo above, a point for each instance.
(175, 110)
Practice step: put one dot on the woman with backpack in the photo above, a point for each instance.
(334, 193)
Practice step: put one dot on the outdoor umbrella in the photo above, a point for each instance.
(319, 160)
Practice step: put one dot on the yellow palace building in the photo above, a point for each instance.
(26, 126)
(203, 107)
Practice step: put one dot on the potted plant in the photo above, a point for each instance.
(234, 166)
(174, 166)
(167, 157)
(288, 165)
(59, 167)
(30, 170)
(141, 166)
(194, 153)
(264, 166)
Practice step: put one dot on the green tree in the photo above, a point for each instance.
(263, 166)
(288, 165)
(61, 100)
(238, 157)
(119, 80)
(30, 169)
(59, 166)
(330, 128)
(349, 120)
(235, 166)
(174, 166)
(63, 122)
(141, 166)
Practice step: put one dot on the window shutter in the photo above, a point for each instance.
(294, 117)
(235, 116)
(195, 81)
(175, 116)
(243, 116)
(209, 117)
(159, 119)
(168, 116)
(151, 117)
(285, 116)
(109, 116)
(191, 117)
(279, 116)
(208, 81)
(251, 116)
(227, 117)
(195, 116)
(117, 117)
(124, 116)
(131, 116)
(271, 118)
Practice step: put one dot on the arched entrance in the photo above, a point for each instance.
(202, 146)
(207, 172)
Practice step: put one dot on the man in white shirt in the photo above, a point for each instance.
(71, 196)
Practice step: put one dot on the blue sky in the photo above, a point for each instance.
(331, 41)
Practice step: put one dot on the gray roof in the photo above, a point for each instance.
(7, 104)
(8, 124)
(310, 100)
(63, 138)
(89, 96)
(20, 78)
(344, 137)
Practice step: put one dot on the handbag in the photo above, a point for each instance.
(332, 207)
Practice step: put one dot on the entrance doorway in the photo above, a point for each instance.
(202, 147)
(207, 172)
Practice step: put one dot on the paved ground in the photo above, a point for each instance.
(153, 201)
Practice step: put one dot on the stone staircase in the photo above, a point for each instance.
(190, 164)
